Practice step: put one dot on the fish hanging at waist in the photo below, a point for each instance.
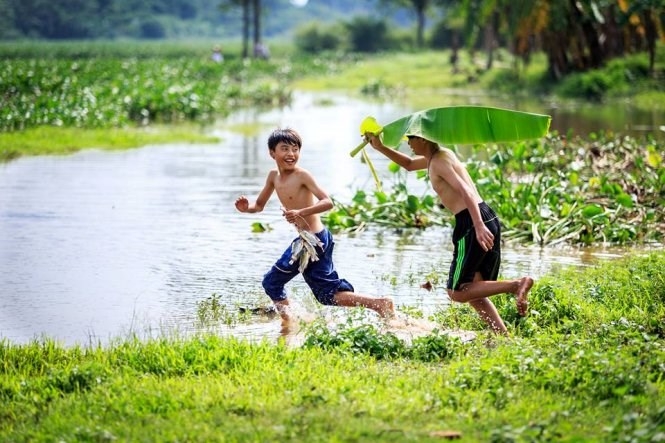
(303, 249)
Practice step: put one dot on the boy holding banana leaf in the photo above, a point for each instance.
(310, 253)
(477, 233)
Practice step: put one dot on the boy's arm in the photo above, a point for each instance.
(405, 161)
(323, 204)
(243, 205)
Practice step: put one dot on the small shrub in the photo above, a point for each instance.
(315, 37)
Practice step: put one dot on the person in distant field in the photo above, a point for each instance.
(261, 51)
(303, 201)
(477, 233)
(217, 55)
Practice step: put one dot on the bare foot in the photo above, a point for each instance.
(523, 288)
(385, 307)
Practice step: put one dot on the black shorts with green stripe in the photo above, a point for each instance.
(468, 256)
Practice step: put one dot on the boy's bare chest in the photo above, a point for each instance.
(289, 191)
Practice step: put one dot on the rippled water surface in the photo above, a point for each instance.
(97, 245)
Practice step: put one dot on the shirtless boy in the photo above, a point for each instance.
(477, 233)
(303, 201)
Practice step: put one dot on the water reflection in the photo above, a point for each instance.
(98, 245)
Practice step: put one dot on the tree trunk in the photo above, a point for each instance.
(591, 39)
(245, 29)
(558, 61)
(490, 33)
(256, 5)
(420, 40)
(650, 34)
(454, 51)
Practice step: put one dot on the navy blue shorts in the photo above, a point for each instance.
(468, 256)
(320, 276)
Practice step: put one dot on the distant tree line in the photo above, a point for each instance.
(576, 35)
(156, 19)
(93, 19)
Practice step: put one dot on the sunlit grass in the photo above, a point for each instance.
(52, 140)
(427, 79)
(422, 71)
(585, 365)
(651, 100)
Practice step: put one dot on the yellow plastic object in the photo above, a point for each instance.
(368, 125)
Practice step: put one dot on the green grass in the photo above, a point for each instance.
(423, 79)
(586, 365)
(49, 140)
(426, 78)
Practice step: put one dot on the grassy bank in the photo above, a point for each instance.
(586, 365)
(49, 140)
(427, 79)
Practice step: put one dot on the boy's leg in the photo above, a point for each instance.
(479, 289)
(282, 307)
(488, 313)
(274, 281)
(382, 305)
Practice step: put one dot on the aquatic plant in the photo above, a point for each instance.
(609, 189)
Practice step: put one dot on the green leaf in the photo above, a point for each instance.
(574, 178)
(412, 203)
(467, 125)
(258, 227)
(591, 211)
(394, 167)
(653, 158)
(624, 200)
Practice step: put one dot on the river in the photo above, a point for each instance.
(100, 245)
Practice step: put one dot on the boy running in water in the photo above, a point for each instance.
(303, 201)
(477, 233)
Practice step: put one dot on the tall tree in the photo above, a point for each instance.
(420, 8)
(244, 5)
(256, 10)
(251, 19)
(650, 16)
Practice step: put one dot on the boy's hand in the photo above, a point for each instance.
(292, 215)
(485, 237)
(373, 140)
(242, 204)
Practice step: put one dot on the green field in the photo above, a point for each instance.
(587, 365)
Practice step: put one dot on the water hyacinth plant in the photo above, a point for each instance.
(609, 189)
(94, 93)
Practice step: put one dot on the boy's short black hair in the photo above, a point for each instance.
(284, 135)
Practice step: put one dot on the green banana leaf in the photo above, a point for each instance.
(461, 125)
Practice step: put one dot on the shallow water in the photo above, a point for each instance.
(99, 245)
